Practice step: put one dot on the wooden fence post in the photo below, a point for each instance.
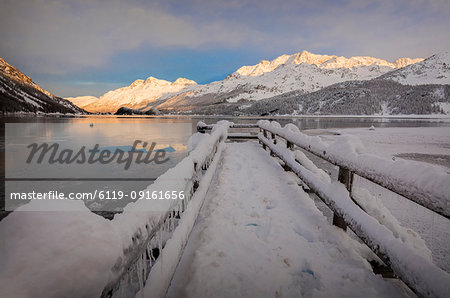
(265, 135)
(290, 146)
(196, 179)
(345, 176)
(274, 141)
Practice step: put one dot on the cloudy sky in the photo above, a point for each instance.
(88, 47)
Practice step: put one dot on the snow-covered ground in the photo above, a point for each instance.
(258, 236)
(410, 142)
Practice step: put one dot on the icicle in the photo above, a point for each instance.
(149, 251)
(144, 256)
(168, 224)
(432, 231)
(123, 286)
(165, 228)
(183, 204)
(160, 245)
(140, 272)
(152, 257)
(179, 206)
(172, 222)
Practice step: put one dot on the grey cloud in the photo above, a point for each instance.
(58, 37)
(384, 30)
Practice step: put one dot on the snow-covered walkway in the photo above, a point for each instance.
(259, 235)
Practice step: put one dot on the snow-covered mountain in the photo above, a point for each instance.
(303, 72)
(18, 93)
(82, 101)
(421, 88)
(136, 96)
(322, 61)
(433, 70)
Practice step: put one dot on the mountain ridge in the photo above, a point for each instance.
(135, 96)
(424, 89)
(304, 72)
(325, 61)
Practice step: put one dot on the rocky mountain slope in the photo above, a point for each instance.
(18, 93)
(302, 72)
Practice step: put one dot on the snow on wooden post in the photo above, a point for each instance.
(202, 127)
(265, 135)
(274, 142)
(196, 182)
(345, 176)
(260, 131)
(290, 146)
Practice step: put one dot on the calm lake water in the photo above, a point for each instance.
(110, 131)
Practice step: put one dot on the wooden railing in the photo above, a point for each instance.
(429, 198)
(202, 127)
(141, 250)
(347, 212)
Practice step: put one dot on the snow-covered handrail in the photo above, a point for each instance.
(202, 126)
(425, 185)
(419, 273)
(140, 220)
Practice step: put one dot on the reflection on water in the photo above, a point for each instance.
(78, 134)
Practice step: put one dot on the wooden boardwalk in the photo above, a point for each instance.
(251, 265)
(260, 235)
